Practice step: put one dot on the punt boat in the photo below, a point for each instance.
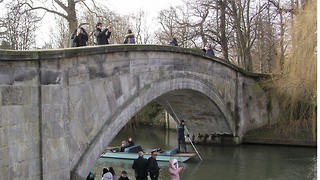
(132, 153)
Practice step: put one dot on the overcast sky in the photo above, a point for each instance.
(130, 6)
(124, 7)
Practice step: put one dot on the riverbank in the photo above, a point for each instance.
(273, 141)
(269, 136)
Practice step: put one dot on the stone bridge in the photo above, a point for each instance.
(61, 108)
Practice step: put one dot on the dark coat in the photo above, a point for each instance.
(180, 131)
(123, 178)
(81, 39)
(140, 165)
(174, 42)
(102, 37)
(130, 143)
(153, 166)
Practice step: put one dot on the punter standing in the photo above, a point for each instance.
(181, 139)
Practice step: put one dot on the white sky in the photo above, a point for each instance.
(130, 6)
(124, 7)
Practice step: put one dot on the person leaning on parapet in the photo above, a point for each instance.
(79, 37)
(102, 34)
(174, 42)
(129, 38)
(208, 49)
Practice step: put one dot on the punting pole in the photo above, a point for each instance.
(179, 122)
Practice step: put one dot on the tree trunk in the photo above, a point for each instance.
(224, 41)
(72, 16)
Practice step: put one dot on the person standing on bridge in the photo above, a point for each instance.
(79, 37)
(102, 34)
(208, 49)
(181, 131)
(129, 38)
(174, 42)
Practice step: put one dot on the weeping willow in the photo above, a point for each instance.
(296, 84)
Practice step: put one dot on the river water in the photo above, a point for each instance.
(243, 162)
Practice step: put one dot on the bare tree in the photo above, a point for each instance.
(67, 10)
(18, 27)
(140, 27)
(167, 19)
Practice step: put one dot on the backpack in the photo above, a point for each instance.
(131, 40)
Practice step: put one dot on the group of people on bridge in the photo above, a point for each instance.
(80, 38)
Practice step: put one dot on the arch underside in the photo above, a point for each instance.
(202, 115)
(198, 105)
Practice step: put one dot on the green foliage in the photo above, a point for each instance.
(152, 114)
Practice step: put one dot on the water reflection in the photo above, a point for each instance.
(243, 162)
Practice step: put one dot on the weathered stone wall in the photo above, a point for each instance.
(74, 101)
(20, 138)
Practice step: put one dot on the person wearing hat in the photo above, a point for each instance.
(153, 166)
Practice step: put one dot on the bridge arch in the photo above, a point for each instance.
(75, 100)
(162, 88)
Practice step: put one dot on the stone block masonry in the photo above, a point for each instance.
(61, 108)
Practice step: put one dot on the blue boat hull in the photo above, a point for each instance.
(162, 156)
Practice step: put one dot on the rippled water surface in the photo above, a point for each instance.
(243, 162)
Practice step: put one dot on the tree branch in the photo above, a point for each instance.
(46, 9)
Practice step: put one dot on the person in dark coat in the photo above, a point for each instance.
(102, 36)
(208, 49)
(79, 37)
(130, 142)
(181, 133)
(129, 38)
(174, 42)
(140, 166)
(124, 145)
(153, 166)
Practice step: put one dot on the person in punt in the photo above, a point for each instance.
(130, 142)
